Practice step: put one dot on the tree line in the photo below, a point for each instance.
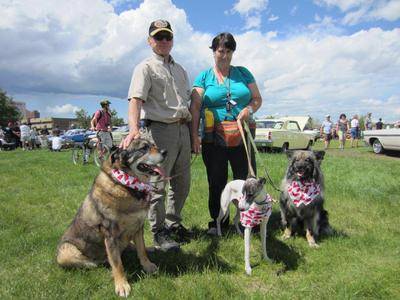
(9, 113)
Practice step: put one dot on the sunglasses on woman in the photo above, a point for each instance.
(160, 36)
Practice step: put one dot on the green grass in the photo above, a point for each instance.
(40, 192)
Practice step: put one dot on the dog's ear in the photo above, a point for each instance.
(289, 154)
(115, 152)
(262, 180)
(319, 155)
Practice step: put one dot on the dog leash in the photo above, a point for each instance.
(247, 147)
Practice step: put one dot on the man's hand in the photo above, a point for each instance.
(196, 145)
(129, 138)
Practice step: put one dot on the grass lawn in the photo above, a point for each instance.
(40, 192)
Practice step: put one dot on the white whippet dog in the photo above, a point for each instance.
(253, 207)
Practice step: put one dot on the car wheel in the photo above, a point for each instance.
(285, 147)
(377, 147)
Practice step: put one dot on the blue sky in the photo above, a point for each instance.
(308, 57)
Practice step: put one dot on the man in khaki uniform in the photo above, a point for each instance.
(159, 95)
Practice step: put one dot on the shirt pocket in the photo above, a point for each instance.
(159, 85)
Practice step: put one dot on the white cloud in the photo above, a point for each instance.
(273, 18)
(86, 48)
(62, 109)
(244, 7)
(251, 11)
(365, 10)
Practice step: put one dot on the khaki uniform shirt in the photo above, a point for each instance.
(164, 89)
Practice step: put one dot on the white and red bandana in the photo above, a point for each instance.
(256, 213)
(303, 192)
(130, 181)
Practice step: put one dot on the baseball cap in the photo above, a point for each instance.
(327, 116)
(159, 25)
(105, 102)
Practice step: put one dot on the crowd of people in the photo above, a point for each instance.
(345, 128)
(25, 136)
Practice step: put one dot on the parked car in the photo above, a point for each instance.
(281, 134)
(72, 136)
(305, 124)
(381, 140)
(119, 133)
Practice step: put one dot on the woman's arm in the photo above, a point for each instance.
(255, 102)
(195, 106)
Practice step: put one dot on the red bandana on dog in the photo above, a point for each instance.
(303, 192)
(256, 213)
(130, 181)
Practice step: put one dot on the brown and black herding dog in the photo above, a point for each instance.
(113, 213)
(302, 196)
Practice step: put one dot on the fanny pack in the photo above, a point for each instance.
(227, 134)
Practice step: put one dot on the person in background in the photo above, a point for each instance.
(326, 131)
(101, 122)
(354, 131)
(25, 131)
(56, 142)
(160, 91)
(342, 128)
(224, 93)
(368, 122)
(379, 124)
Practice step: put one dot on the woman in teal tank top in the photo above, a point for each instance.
(224, 92)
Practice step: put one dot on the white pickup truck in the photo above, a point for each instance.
(281, 134)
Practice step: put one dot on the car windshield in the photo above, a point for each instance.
(265, 124)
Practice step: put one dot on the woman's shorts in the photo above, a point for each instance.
(341, 135)
(327, 136)
(354, 132)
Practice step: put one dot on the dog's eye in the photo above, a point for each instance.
(145, 147)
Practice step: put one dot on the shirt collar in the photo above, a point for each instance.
(161, 58)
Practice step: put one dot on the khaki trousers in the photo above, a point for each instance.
(167, 203)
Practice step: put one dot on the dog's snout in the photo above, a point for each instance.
(163, 152)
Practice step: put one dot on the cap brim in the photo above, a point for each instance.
(154, 32)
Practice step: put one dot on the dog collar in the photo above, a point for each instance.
(256, 213)
(130, 181)
(303, 192)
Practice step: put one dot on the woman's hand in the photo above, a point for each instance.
(244, 115)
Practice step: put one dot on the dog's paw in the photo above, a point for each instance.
(150, 268)
(122, 288)
(313, 245)
(286, 234)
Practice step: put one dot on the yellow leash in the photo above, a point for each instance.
(247, 148)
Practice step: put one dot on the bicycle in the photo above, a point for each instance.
(82, 152)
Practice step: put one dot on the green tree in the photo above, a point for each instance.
(115, 120)
(82, 118)
(8, 112)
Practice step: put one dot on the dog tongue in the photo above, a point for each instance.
(300, 174)
(159, 171)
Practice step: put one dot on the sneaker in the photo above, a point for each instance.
(180, 232)
(163, 241)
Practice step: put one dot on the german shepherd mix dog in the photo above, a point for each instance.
(113, 213)
(255, 206)
(302, 196)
